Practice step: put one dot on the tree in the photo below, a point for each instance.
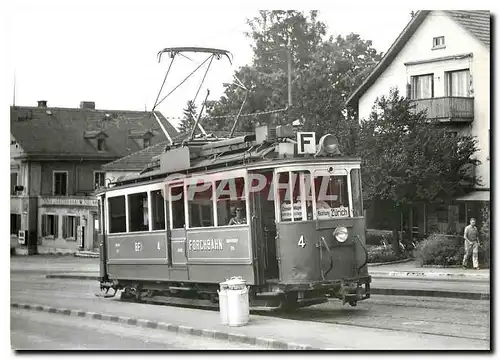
(409, 158)
(324, 73)
(189, 119)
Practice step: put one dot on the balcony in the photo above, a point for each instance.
(447, 109)
(72, 201)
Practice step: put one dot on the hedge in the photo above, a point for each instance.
(448, 250)
(380, 254)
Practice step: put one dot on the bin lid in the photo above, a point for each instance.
(236, 282)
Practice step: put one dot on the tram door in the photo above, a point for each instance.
(264, 230)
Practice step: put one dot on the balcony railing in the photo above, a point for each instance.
(447, 108)
(67, 201)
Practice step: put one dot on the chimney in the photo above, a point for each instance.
(42, 103)
(87, 105)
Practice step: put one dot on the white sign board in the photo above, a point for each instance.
(306, 143)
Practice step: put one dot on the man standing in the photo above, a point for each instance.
(471, 237)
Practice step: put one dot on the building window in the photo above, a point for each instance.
(178, 219)
(100, 145)
(49, 225)
(438, 42)
(70, 224)
(146, 142)
(117, 215)
(458, 83)
(60, 183)
(99, 179)
(422, 86)
(13, 183)
(15, 223)
(138, 212)
(158, 210)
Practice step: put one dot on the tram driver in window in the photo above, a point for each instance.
(239, 217)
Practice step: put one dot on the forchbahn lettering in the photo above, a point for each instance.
(205, 245)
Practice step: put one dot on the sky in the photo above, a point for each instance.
(106, 52)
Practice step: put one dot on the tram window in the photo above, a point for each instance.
(298, 198)
(117, 217)
(332, 199)
(158, 210)
(177, 200)
(357, 199)
(138, 212)
(200, 205)
(231, 203)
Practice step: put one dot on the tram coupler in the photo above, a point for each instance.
(352, 292)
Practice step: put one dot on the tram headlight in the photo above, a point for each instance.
(341, 234)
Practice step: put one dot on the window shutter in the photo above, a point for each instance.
(65, 226)
(56, 226)
(44, 225)
(77, 223)
(408, 91)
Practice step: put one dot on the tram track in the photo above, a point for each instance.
(397, 323)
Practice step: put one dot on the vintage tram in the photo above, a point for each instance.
(263, 207)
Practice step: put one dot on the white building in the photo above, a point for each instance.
(441, 60)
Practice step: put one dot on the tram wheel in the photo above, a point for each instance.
(353, 303)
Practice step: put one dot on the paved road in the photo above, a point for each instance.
(32, 330)
(463, 319)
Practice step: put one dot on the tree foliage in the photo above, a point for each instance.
(324, 73)
(408, 158)
(189, 118)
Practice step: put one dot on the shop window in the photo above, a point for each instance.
(138, 212)
(200, 205)
(117, 215)
(177, 201)
(231, 202)
(70, 225)
(13, 182)
(158, 210)
(15, 223)
(50, 225)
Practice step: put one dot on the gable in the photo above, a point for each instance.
(459, 25)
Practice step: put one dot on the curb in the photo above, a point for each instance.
(429, 275)
(74, 277)
(390, 262)
(431, 293)
(213, 334)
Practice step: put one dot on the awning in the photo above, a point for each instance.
(475, 196)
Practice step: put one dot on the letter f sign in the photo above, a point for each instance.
(306, 142)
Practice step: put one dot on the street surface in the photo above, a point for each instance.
(32, 330)
(455, 321)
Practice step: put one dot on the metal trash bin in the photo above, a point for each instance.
(238, 309)
(223, 302)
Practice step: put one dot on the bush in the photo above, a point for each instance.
(380, 253)
(439, 249)
(375, 236)
(484, 237)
